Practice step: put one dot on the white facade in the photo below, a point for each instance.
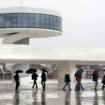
(29, 54)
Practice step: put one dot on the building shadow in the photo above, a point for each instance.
(95, 101)
(78, 97)
(16, 100)
(67, 97)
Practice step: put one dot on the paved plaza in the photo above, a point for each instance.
(51, 96)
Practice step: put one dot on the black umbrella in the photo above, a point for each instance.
(31, 70)
(79, 72)
(45, 70)
(18, 71)
(96, 71)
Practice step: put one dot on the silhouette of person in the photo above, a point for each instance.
(34, 77)
(43, 76)
(103, 81)
(95, 79)
(67, 82)
(78, 76)
(16, 78)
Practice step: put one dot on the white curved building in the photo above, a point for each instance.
(17, 25)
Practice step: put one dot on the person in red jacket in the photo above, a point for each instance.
(78, 76)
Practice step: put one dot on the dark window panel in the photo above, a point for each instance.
(7, 20)
(2, 20)
(31, 20)
(37, 20)
(13, 20)
(55, 22)
(51, 22)
(19, 20)
(42, 20)
(58, 23)
(25, 20)
(47, 21)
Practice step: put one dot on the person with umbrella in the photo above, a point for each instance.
(34, 77)
(103, 81)
(16, 78)
(95, 78)
(78, 76)
(43, 76)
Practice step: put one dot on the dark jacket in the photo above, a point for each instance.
(103, 80)
(16, 77)
(34, 76)
(67, 78)
(43, 76)
(95, 76)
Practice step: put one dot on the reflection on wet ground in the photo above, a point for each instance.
(51, 96)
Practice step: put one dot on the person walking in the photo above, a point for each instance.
(78, 76)
(67, 82)
(103, 81)
(16, 78)
(43, 80)
(95, 78)
(34, 77)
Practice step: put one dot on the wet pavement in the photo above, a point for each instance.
(51, 96)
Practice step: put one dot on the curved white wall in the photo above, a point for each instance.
(29, 10)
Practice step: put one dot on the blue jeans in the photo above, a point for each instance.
(79, 86)
(96, 84)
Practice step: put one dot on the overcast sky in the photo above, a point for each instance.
(83, 21)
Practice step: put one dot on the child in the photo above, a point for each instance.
(103, 81)
(67, 81)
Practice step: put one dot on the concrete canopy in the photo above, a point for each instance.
(30, 53)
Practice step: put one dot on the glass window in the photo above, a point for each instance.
(8, 20)
(31, 20)
(58, 23)
(19, 20)
(2, 20)
(42, 20)
(25, 20)
(51, 22)
(55, 22)
(13, 20)
(47, 21)
(37, 21)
